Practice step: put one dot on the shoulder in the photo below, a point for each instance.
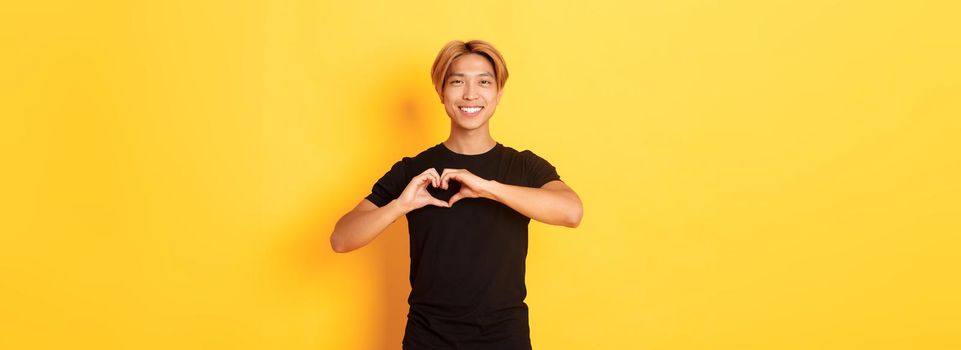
(527, 155)
(513, 152)
(412, 164)
(428, 153)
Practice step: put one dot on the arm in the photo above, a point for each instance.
(554, 203)
(361, 225)
(366, 221)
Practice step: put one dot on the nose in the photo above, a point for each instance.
(469, 93)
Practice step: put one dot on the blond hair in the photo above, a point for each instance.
(457, 48)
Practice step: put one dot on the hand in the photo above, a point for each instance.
(472, 186)
(415, 195)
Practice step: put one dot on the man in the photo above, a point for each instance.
(468, 203)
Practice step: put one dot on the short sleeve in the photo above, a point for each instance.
(391, 185)
(538, 170)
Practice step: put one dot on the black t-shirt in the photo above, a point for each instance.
(467, 262)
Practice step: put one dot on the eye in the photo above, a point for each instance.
(452, 82)
(485, 82)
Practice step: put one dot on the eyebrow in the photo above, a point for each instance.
(463, 75)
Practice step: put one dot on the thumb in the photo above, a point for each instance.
(439, 203)
(455, 198)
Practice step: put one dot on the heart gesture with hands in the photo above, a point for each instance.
(472, 186)
(416, 196)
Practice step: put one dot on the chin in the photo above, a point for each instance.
(468, 123)
(472, 124)
(469, 127)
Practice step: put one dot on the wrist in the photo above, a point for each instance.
(492, 189)
(397, 208)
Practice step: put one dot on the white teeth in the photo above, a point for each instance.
(470, 109)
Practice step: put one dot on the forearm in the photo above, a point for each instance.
(550, 206)
(357, 229)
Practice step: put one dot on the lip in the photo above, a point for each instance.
(465, 113)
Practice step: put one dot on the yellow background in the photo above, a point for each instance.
(755, 174)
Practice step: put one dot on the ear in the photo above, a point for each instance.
(499, 94)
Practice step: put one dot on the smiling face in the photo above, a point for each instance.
(470, 91)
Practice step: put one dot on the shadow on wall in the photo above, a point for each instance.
(407, 116)
(401, 107)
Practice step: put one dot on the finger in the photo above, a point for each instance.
(434, 175)
(422, 180)
(431, 173)
(445, 180)
(434, 181)
(455, 198)
(447, 173)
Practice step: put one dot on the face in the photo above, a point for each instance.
(470, 91)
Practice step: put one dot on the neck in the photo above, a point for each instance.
(470, 142)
